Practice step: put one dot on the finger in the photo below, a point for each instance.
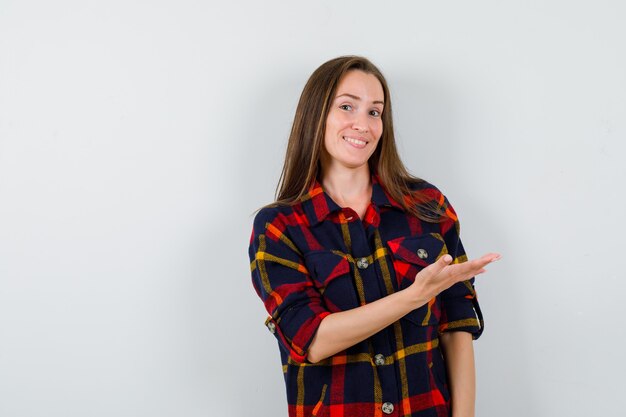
(437, 266)
(478, 263)
(462, 271)
(468, 267)
(491, 257)
(483, 260)
(465, 270)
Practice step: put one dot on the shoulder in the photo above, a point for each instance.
(420, 184)
(273, 230)
(427, 189)
(433, 196)
(276, 216)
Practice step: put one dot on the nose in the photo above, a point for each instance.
(360, 121)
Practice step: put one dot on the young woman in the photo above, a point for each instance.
(360, 266)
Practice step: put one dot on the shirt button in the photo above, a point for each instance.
(379, 359)
(271, 326)
(422, 253)
(387, 408)
(362, 263)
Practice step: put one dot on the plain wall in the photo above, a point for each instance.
(137, 138)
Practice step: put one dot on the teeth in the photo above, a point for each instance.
(355, 141)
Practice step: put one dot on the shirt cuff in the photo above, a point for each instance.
(462, 314)
(298, 347)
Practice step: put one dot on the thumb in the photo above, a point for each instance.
(441, 263)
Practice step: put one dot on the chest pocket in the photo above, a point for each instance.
(332, 277)
(409, 256)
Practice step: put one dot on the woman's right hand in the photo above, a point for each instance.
(440, 275)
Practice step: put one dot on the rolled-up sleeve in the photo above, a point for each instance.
(283, 283)
(460, 308)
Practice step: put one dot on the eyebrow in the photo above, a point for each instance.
(359, 98)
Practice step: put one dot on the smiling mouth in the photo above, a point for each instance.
(357, 142)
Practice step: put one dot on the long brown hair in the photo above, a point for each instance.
(302, 158)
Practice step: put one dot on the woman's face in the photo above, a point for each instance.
(354, 123)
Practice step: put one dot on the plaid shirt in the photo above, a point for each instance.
(315, 258)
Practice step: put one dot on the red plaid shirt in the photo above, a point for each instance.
(315, 258)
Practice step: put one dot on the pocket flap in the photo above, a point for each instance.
(420, 250)
(324, 266)
(331, 275)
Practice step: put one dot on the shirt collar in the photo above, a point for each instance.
(317, 204)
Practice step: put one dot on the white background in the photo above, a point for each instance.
(137, 138)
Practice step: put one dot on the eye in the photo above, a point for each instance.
(375, 113)
(343, 107)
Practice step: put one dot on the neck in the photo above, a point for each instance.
(347, 184)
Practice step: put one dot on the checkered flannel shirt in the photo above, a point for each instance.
(315, 258)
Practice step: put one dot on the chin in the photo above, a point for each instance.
(354, 164)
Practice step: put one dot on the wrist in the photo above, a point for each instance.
(413, 297)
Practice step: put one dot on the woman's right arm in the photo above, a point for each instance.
(341, 330)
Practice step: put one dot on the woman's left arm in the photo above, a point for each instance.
(458, 351)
